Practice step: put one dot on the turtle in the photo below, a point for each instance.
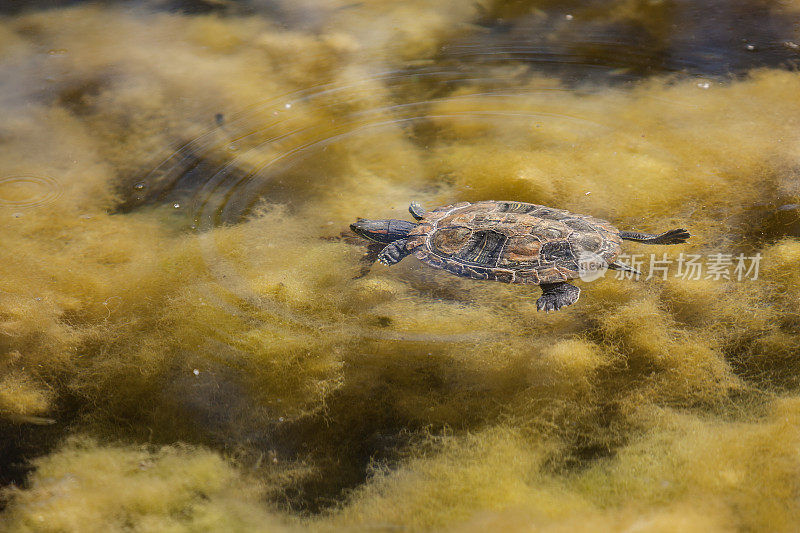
(508, 241)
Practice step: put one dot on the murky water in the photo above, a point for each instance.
(192, 339)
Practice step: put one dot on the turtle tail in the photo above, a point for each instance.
(673, 236)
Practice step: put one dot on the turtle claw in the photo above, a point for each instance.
(393, 253)
(547, 303)
(557, 295)
(387, 258)
(542, 304)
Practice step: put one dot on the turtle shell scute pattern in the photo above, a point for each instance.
(512, 242)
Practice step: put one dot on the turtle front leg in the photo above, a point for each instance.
(394, 252)
(557, 295)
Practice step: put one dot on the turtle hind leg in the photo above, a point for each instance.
(416, 210)
(393, 253)
(557, 295)
(673, 236)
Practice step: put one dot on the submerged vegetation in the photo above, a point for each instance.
(189, 342)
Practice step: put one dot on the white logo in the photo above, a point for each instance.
(591, 266)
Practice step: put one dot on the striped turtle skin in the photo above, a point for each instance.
(512, 242)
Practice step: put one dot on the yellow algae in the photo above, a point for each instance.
(412, 30)
(663, 480)
(575, 359)
(635, 154)
(680, 517)
(696, 303)
(746, 467)
(779, 263)
(486, 471)
(88, 487)
(179, 274)
(21, 396)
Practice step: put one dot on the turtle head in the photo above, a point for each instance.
(382, 230)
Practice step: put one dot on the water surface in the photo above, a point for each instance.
(192, 339)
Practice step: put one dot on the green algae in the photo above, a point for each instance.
(237, 371)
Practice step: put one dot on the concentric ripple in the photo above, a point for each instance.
(273, 152)
(24, 192)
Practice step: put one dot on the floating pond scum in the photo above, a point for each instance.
(191, 339)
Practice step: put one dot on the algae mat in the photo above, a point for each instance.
(190, 340)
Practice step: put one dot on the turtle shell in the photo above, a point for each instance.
(513, 242)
